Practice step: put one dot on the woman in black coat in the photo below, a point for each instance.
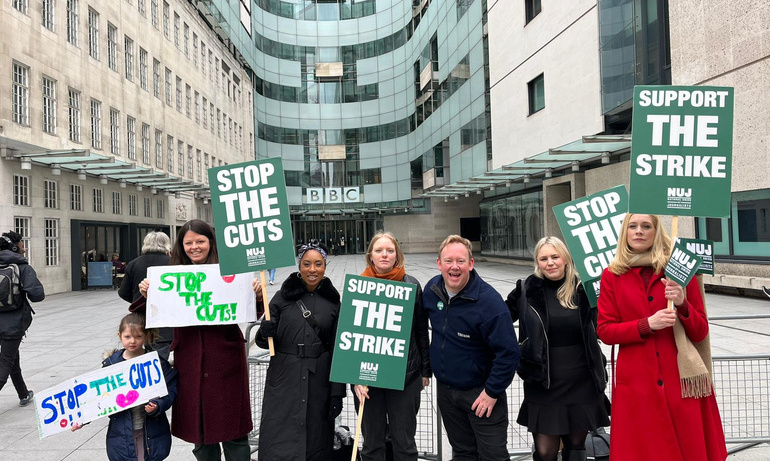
(561, 363)
(300, 403)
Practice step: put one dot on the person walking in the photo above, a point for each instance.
(19, 286)
(561, 364)
(663, 403)
(300, 403)
(389, 411)
(473, 353)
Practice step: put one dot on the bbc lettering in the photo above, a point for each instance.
(318, 195)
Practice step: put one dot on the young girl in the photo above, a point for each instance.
(141, 433)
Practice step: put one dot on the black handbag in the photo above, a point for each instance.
(598, 445)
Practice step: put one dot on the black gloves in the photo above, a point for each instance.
(335, 407)
(268, 329)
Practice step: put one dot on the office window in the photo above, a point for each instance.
(51, 194)
(197, 108)
(20, 190)
(211, 113)
(146, 143)
(20, 94)
(140, 7)
(147, 207)
(143, 69)
(187, 100)
(73, 113)
(180, 158)
(93, 34)
(219, 123)
(176, 30)
(179, 95)
(536, 90)
(186, 40)
(98, 201)
(156, 78)
(203, 57)
(22, 6)
(114, 132)
(161, 208)
(132, 205)
(190, 172)
(129, 55)
(154, 13)
(205, 117)
(533, 8)
(195, 50)
(158, 149)
(168, 86)
(170, 154)
(72, 21)
(96, 124)
(49, 105)
(23, 226)
(76, 197)
(198, 164)
(117, 203)
(51, 242)
(165, 19)
(48, 9)
(112, 47)
(131, 137)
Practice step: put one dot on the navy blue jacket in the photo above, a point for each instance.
(157, 432)
(474, 343)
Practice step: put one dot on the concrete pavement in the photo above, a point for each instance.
(72, 330)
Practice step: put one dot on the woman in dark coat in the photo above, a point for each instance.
(388, 410)
(300, 402)
(212, 402)
(561, 363)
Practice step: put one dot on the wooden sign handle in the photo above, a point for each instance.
(674, 231)
(358, 427)
(267, 309)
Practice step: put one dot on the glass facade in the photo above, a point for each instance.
(746, 233)
(512, 225)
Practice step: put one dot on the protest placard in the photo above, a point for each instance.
(99, 393)
(198, 295)
(682, 265)
(373, 332)
(590, 227)
(681, 151)
(705, 250)
(251, 216)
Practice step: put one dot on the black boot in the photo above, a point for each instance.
(573, 455)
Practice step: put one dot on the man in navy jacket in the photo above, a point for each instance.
(474, 353)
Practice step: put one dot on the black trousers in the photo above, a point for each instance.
(473, 438)
(10, 366)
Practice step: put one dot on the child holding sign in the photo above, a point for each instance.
(141, 433)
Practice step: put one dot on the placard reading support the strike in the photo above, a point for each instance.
(373, 332)
(198, 295)
(99, 393)
(682, 265)
(590, 226)
(251, 216)
(705, 250)
(681, 151)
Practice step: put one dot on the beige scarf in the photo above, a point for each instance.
(693, 359)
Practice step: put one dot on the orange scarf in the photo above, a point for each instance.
(397, 274)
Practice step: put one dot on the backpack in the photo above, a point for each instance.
(10, 288)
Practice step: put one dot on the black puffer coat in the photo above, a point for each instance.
(418, 359)
(533, 339)
(13, 324)
(295, 410)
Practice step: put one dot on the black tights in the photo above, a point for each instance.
(547, 445)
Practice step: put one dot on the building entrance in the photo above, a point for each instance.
(339, 236)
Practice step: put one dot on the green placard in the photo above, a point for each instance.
(373, 332)
(705, 250)
(682, 265)
(251, 216)
(590, 226)
(681, 151)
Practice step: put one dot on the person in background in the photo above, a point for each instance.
(119, 265)
(473, 353)
(17, 316)
(271, 276)
(300, 403)
(155, 252)
(663, 403)
(386, 410)
(561, 363)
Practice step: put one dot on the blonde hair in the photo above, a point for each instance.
(567, 290)
(660, 251)
(388, 235)
(454, 238)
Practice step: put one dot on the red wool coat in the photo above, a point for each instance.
(650, 419)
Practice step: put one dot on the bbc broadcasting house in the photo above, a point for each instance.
(422, 117)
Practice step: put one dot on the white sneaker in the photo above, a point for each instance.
(271, 283)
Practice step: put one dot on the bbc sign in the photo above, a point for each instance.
(319, 195)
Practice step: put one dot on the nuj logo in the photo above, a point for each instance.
(368, 366)
(255, 251)
(679, 192)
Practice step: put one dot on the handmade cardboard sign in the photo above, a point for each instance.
(590, 226)
(198, 295)
(99, 393)
(682, 265)
(681, 151)
(251, 216)
(373, 332)
(704, 249)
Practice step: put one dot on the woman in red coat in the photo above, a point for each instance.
(212, 401)
(663, 404)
